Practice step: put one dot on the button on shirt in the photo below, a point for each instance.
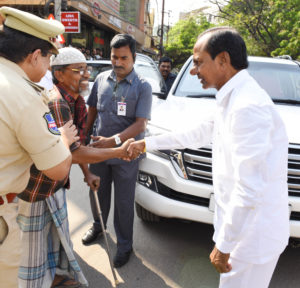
(106, 93)
(250, 153)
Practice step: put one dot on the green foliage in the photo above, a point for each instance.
(182, 38)
(269, 27)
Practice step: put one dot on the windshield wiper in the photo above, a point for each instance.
(201, 96)
(286, 101)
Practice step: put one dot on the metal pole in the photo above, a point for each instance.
(105, 235)
(162, 27)
(57, 9)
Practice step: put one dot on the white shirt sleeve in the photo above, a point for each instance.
(251, 128)
(195, 138)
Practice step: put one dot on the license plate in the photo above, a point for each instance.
(211, 206)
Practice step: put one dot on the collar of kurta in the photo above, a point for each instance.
(224, 92)
(129, 78)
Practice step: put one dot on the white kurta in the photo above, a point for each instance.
(250, 153)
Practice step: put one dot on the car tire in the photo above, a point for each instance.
(145, 215)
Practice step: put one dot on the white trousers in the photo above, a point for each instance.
(248, 275)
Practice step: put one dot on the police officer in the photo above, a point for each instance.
(121, 100)
(28, 133)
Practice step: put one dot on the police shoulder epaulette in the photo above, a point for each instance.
(35, 86)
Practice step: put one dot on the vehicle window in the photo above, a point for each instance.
(149, 72)
(281, 81)
(191, 86)
(97, 69)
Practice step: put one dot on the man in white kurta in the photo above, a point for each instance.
(250, 152)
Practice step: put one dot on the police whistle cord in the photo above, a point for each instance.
(105, 236)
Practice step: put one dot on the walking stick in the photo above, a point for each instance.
(105, 236)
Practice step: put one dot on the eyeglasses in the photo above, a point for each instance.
(81, 71)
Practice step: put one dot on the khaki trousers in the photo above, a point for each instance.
(10, 249)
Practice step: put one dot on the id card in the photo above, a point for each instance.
(121, 108)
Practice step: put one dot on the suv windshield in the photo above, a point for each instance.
(281, 81)
(143, 66)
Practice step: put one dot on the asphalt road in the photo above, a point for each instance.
(170, 253)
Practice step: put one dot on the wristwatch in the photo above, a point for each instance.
(117, 140)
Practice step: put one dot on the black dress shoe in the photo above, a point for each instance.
(90, 236)
(121, 258)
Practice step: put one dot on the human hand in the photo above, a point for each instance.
(102, 142)
(123, 150)
(136, 148)
(220, 260)
(68, 133)
(92, 181)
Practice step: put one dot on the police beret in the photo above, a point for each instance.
(66, 56)
(28, 23)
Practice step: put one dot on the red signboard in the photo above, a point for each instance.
(71, 21)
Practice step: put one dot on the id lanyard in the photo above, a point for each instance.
(121, 105)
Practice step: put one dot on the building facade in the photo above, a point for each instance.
(100, 20)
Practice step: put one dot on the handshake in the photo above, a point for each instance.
(129, 150)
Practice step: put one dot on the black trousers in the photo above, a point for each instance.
(124, 178)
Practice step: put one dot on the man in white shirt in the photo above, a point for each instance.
(250, 152)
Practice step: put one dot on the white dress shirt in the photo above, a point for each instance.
(250, 153)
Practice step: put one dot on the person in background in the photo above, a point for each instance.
(28, 134)
(250, 154)
(165, 66)
(121, 101)
(98, 54)
(88, 55)
(43, 215)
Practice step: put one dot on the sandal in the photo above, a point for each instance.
(63, 282)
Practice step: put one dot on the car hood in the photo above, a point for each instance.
(181, 113)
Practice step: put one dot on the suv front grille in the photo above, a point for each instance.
(294, 170)
(198, 165)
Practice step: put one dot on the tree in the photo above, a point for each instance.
(269, 27)
(182, 38)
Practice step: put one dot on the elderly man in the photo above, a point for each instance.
(121, 100)
(28, 134)
(250, 152)
(47, 241)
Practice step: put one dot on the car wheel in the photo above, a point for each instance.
(145, 215)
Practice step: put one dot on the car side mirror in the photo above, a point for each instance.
(161, 95)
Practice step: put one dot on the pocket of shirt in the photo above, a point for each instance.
(130, 108)
(3, 230)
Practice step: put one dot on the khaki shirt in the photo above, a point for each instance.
(26, 135)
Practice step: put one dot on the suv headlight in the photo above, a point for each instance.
(176, 158)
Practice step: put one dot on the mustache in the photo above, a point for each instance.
(118, 67)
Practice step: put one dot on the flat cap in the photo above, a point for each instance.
(67, 56)
(30, 24)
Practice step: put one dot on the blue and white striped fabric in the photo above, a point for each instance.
(47, 247)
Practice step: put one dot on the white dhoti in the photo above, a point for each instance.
(248, 275)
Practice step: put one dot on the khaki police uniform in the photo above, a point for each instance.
(27, 136)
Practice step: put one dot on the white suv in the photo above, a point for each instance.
(178, 183)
